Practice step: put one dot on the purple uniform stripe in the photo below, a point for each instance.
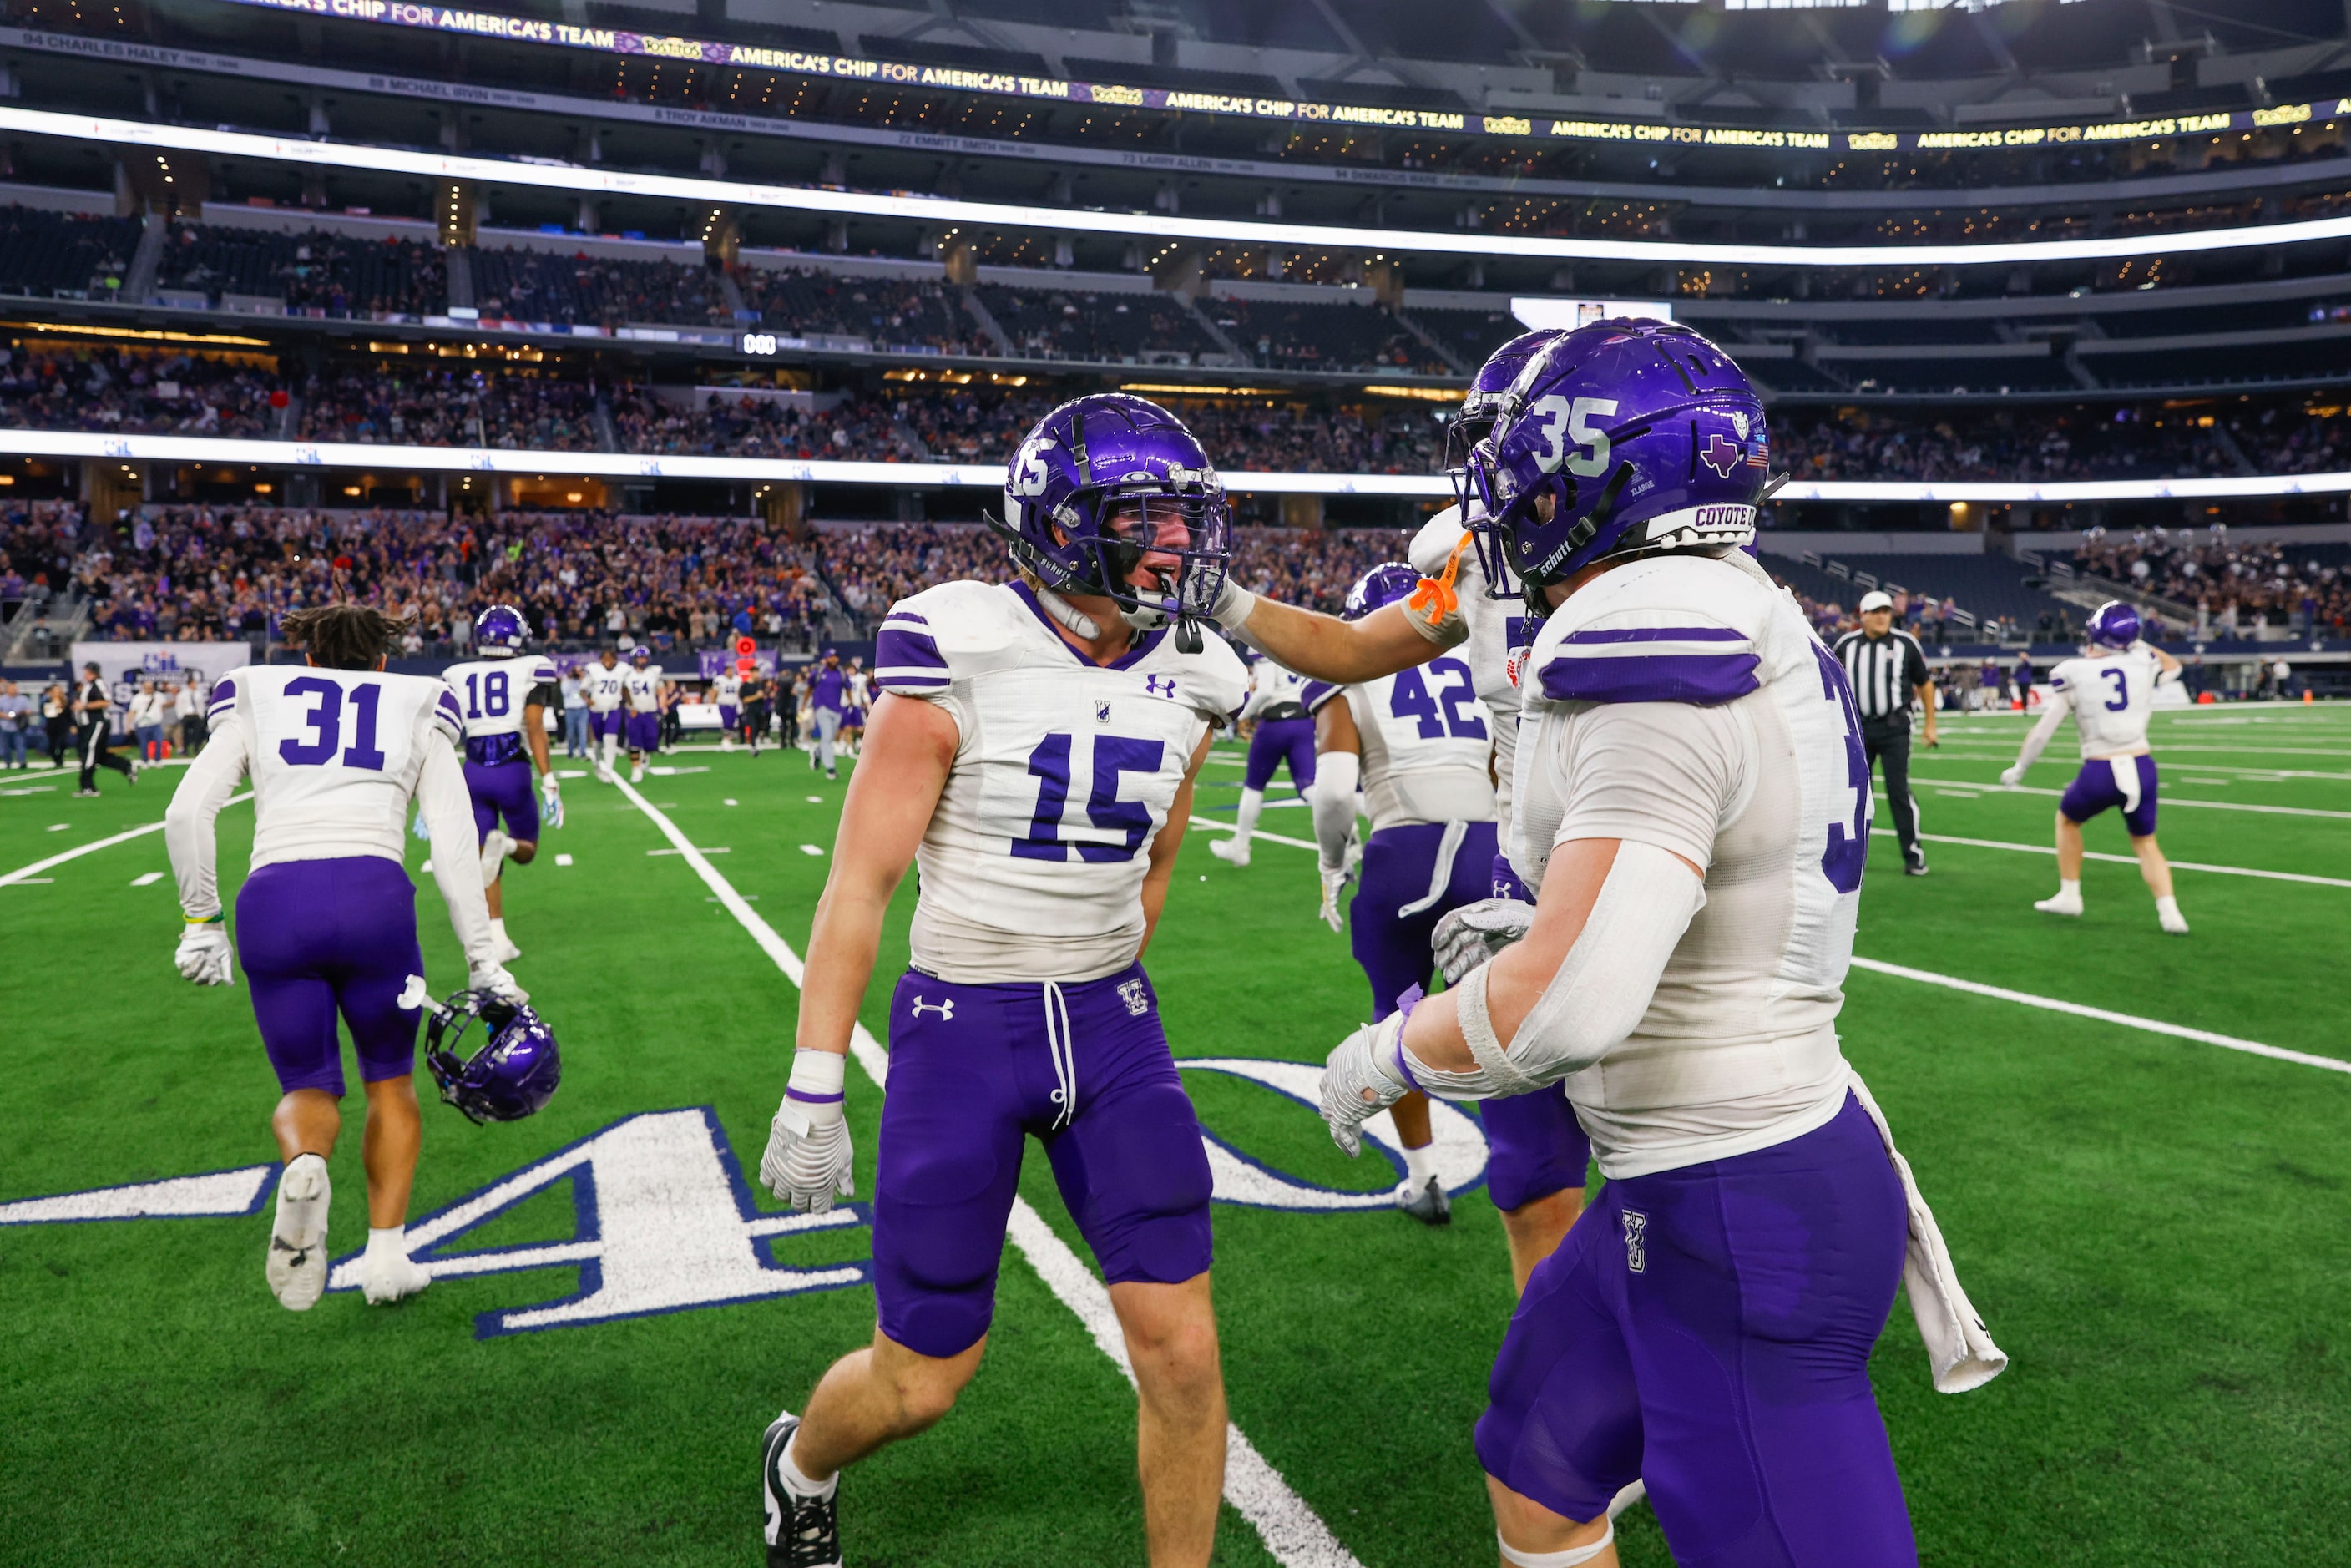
(1316, 692)
(905, 615)
(1701, 678)
(224, 692)
(900, 650)
(1659, 634)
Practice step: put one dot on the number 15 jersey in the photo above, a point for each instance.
(1064, 772)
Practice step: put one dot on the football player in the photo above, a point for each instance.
(1419, 742)
(828, 695)
(1692, 812)
(1285, 737)
(857, 698)
(1035, 749)
(2110, 692)
(641, 683)
(726, 690)
(325, 921)
(505, 698)
(605, 684)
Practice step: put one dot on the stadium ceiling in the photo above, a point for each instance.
(550, 174)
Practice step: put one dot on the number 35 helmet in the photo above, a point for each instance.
(1622, 438)
(513, 1074)
(1108, 489)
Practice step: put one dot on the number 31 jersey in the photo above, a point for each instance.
(2111, 696)
(492, 695)
(1064, 772)
(1426, 739)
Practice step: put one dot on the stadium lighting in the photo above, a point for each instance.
(211, 449)
(1066, 220)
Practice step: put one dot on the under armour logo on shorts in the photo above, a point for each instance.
(1159, 685)
(946, 1009)
(1137, 999)
(1636, 1240)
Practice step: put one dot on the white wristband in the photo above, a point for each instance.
(1239, 603)
(818, 1076)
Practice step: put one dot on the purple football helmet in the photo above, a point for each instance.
(1383, 585)
(514, 1073)
(1622, 438)
(1108, 487)
(2113, 624)
(1474, 421)
(640, 653)
(501, 632)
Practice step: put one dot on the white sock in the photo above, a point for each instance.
(797, 1479)
(1416, 1168)
(494, 854)
(2069, 889)
(2167, 904)
(392, 1238)
(1245, 819)
(498, 926)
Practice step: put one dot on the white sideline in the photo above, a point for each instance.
(1292, 1531)
(2128, 1020)
(30, 872)
(2124, 860)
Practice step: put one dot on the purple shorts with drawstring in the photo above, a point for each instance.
(503, 789)
(2124, 781)
(1279, 741)
(644, 732)
(321, 937)
(604, 722)
(975, 1071)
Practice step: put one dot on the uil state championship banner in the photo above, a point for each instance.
(122, 666)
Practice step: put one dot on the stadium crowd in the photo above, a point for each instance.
(2228, 585)
(117, 391)
(452, 408)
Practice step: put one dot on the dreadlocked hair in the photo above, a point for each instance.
(342, 636)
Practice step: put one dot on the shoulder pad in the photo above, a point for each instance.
(950, 631)
(1667, 630)
(448, 717)
(1435, 542)
(542, 671)
(1216, 681)
(224, 698)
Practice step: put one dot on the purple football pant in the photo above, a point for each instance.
(2124, 781)
(319, 937)
(1707, 1331)
(730, 720)
(601, 724)
(973, 1074)
(1507, 883)
(643, 732)
(503, 789)
(1535, 1144)
(1277, 741)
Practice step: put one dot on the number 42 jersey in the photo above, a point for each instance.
(1064, 773)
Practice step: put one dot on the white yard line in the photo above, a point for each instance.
(2125, 860)
(1261, 834)
(33, 872)
(2168, 801)
(1292, 1531)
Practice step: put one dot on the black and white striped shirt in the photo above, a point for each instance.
(1885, 672)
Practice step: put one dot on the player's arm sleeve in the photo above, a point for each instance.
(448, 815)
(204, 790)
(1333, 799)
(2052, 714)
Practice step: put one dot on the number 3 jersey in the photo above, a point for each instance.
(1064, 772)
(1683, 702)
(1425, 741)
(2111, 696)
(492, 695)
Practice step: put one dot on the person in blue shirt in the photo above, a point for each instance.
(828, 696)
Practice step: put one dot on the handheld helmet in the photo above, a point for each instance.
(639, 654)
(2113, 624)
(1383, 585)
(1108, 489)
(1624, 438)
(501, 632)
(513, 1074)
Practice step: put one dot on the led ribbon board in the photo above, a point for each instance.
(1000, 215)
(208, 449)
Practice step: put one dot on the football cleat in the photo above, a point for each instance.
(801, 1531)
(2063, 904)
(386, 1277)
(637, 774)
(1235, 850)
(2172, 921)
(1429, 1205)
(296, 1265)
(1917, 867)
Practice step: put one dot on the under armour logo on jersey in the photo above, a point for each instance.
(1720, 453)
(1636, 1240)
(1159, 685)
(1137, 999)
(946, 1009)
(1102, 713)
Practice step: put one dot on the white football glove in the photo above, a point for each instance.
(205, 957)
(1356, 1086)
(2012, 777)
(494, 978)
(551, 796)
(809, 1156)
(1334, 883)
(1474, 933)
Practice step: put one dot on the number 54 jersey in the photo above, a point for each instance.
(1063, 775)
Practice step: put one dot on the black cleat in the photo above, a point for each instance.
(1915, 867)
(1429, 1205)
(801, 1531)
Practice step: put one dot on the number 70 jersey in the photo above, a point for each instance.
(1064, 772)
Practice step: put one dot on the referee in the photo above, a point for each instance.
(1887, 670)
(93, 724)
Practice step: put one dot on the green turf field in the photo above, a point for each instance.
(2153, 1226)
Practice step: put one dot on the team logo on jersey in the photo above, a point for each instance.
(1102, 713)
(1159, 685)
(946, 1009)
(1137, 999)
(1720, 453)
(1636, 1240)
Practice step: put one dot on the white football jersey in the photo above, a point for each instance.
(2111, 696)
(727, 690)
(1425, 740)
(601, 686)
(492, 695)
(1064, 772)
(642, 686)
(333, 755)
(1274, 692)
(1499, 633)
(1684, 702)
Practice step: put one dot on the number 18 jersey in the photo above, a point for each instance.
(492, 695)
(1064, 773)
